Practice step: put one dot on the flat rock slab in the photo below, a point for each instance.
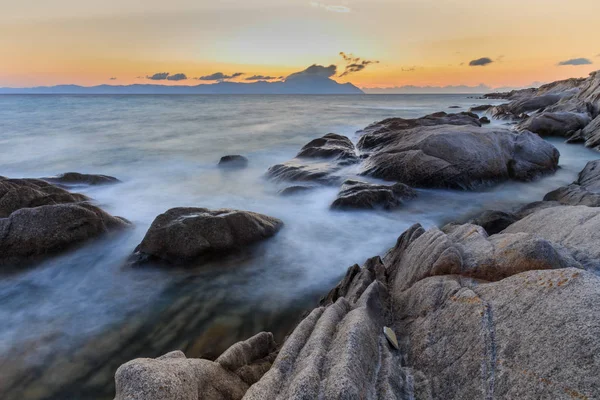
(185, 235)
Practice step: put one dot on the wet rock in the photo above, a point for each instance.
(455, 107)
(29, 234)
(484, 120)
(562, 124)
(591, 134)
(75, 178)
(494, 221)
(483, 107)
(454, 156)
(363, 195)
(296, 189)
(584, 191)
(16, 194)
(318, 161)
(233, 161)
(185, 235)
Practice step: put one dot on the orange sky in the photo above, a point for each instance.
(417, 42)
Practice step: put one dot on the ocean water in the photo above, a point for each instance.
(68, 323)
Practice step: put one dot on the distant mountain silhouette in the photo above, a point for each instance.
(300, 84)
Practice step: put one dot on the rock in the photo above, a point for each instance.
(357, 194)
(233, 161)
(454, 156)
(185, 235)
(455, 107)
(29, 234)
(318, 161)
(591, 134)
(296, 189)
(16, 194)
(175, 377)
(391, 337)
(494, 221)
(585, 191)
(555, 123)
(75, 178)
(480, 108)
(484, 120)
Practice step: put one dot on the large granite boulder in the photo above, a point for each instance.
(318, 161)
(27, 193)
(563, 124)
(363, 195)
(75, 178)
(584, 191)
(183, 235)
(30, 234)
(458, 154)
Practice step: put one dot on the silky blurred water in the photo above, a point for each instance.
(165, 150)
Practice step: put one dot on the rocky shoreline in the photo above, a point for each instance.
(502, 306)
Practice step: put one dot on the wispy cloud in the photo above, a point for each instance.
(177, 77)
(408, 69)
(576, 61)
(354, 64)
(219, 76)
(480, 62)
(330, 7)
(159, 76)
(262, 78)
(113, 78)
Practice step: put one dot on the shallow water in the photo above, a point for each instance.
(69, 322)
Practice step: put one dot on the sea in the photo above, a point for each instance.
(69, 322)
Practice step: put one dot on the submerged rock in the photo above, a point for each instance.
(357, 194)
(185, 235)
(296, 189)
(233, 161)
(318, 161)
(75, 178)
(453, 152)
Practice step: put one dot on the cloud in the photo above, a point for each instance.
(261, 78)
(159, 76)
(219, 76)
(316, 71)
(177, 77)
(480, 62)
(575, 61)
(332, 8)
(500, 58)
(408, 69)
(354, 64)
(113, 78)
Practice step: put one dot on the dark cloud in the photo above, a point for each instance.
(261, 78)
(177, 77)
(219, 76)
(354, 64)
(480, 62)
(113, 78)
(316, 71)
(159, 76)
(576, 61)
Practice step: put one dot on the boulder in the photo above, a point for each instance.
(16, 194)
(75, 178)
(233, 161)
(318, 161)
(480, 108)
(296, 189)
(185, 235)
(363, 195)
(562, 124)
(461, 155)
(29, 234)
(584, 191)
(484, 120)
(494, 221)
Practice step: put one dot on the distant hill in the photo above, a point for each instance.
(292, 85)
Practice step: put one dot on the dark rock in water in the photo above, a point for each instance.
(185, 235)
(591, 133)
(331, 145)
(363, 195)
(483, 107)
(456, 154)
(494, 221)
(455, 107)
(75, 178)
(29, 234)
(318, 161)
(562, 124)
(534, 207)
(27, 193)
(233, 161)
(173, 376)
(296, 189)
(484, 120)
(584, 191)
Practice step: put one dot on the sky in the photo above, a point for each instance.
(509, 43)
